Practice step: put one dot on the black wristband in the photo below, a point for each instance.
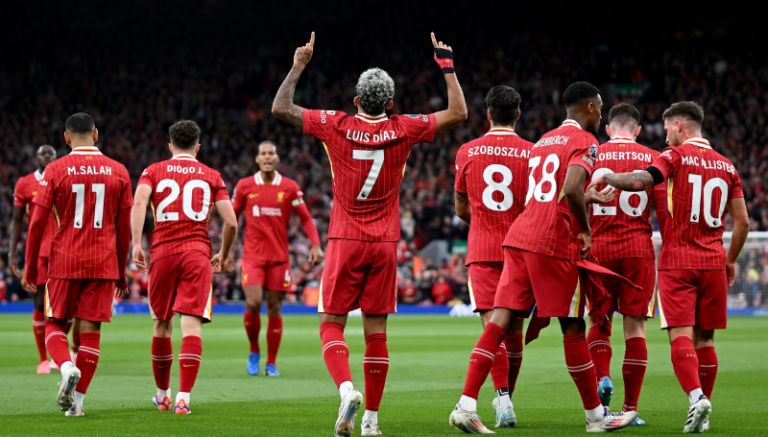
(656, 174)
(444, 57)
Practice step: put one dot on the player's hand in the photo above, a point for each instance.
(15, 266)
(139, 259)
(440, 45)
(32, 288)
(730, 273)
(304, 54)
(316, 255)
(605, 196)
(229, 265)
(219, 264)
(600, 180)
(120, 292)
(586, 238)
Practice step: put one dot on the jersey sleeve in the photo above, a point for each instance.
(238, 198)
(736, 189)
(460, 183)
(420, 127)
(584, 154)
(667, 162)
(19, 196)
(46, 191)
(219, 189)
(146, 178)
(320, 122)
(297, 196)
(126, 197)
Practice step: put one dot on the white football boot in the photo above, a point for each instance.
(467, 421)
(698, 415)
(504, 418)
(75, 411)
(368, 428)
(69, 380)
(611, 421)
(345, 424)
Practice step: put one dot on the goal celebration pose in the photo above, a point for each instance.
(183, 192)
(268, 198)
(91, 195)
(694, 269)
(490, 187)
(368, 153)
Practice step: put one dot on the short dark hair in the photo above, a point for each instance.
(578, 92)
(185, 134)
(504, 103)
(689, 110)
(624, 114)
(80, 123)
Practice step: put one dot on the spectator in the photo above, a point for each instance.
(441, 291)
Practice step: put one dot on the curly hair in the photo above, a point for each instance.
(375, 89)
(185, 134)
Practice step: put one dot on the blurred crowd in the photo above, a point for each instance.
(220, 67)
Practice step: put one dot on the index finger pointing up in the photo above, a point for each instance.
(312, 40)
(434, 41)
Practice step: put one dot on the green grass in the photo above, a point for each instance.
(428, 363)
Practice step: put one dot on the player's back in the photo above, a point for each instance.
(493, 172)
(368, 157)
(700, 184)
(183, 193)
(545, 225)
(621, 228)
(86, 190)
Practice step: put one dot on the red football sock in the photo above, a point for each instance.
(76, 340)
(515, 357)
(274, 334)
(707, 369)
(162, 359)
(56, 342)
(481, 359)
(335, 352)
(500, 368)
(582, 371)
(38, 327)
(87, 359)
(601, 352)
(375, 367)
(633, 369)
(189, 362)
(252, 327)
(686, 363)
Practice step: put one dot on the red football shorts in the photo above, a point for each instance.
(529, 278)
(42, 270)
(482, 281)
(86, 299)
(627, 301)
(181, 283)
(270, 275)
(359, 274)
(693, 298)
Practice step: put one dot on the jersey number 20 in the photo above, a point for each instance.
(186, 200)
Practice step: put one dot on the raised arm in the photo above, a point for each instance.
(15, 231)
(574, 197)
(457, 106)
(283, 106)
(463, 208)
(738, 211)
(138, 215)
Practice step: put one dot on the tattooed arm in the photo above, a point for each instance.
(463, 209)
(283, 106)
(635, 181)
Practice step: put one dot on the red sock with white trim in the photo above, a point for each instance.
(375, 367)
(600, 350)
(481, 360)
(87, 359)
(514, 345)
(56, 343)
(685, 363)
(190, 357)
(162, 360)
(38, 327)
(500, 368)
(335, 352)
(707, 369)
(252, 324)
(580, 366)
(274, 335)
(633, 370)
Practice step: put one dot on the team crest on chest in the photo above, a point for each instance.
(280, 196)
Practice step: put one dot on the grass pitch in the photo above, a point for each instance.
(428, 363)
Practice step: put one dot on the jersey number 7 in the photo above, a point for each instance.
(378, 161)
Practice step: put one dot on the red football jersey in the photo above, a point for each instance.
(183, 194)
(700, 184)
(86, 191)
(545, 225)
(493, 172)
(26, 189)
(622, 229)
(268, 210)
(368, 156)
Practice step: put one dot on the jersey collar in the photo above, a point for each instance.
(698, 142)
(569, 122)
(260, 181)
(184, 157)
(621, 140)
(372, 118)
(39, 176)
(85, 151)
(501, 131)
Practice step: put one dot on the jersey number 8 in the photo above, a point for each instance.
(186, 200)
(501, 187)
(536, 190)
